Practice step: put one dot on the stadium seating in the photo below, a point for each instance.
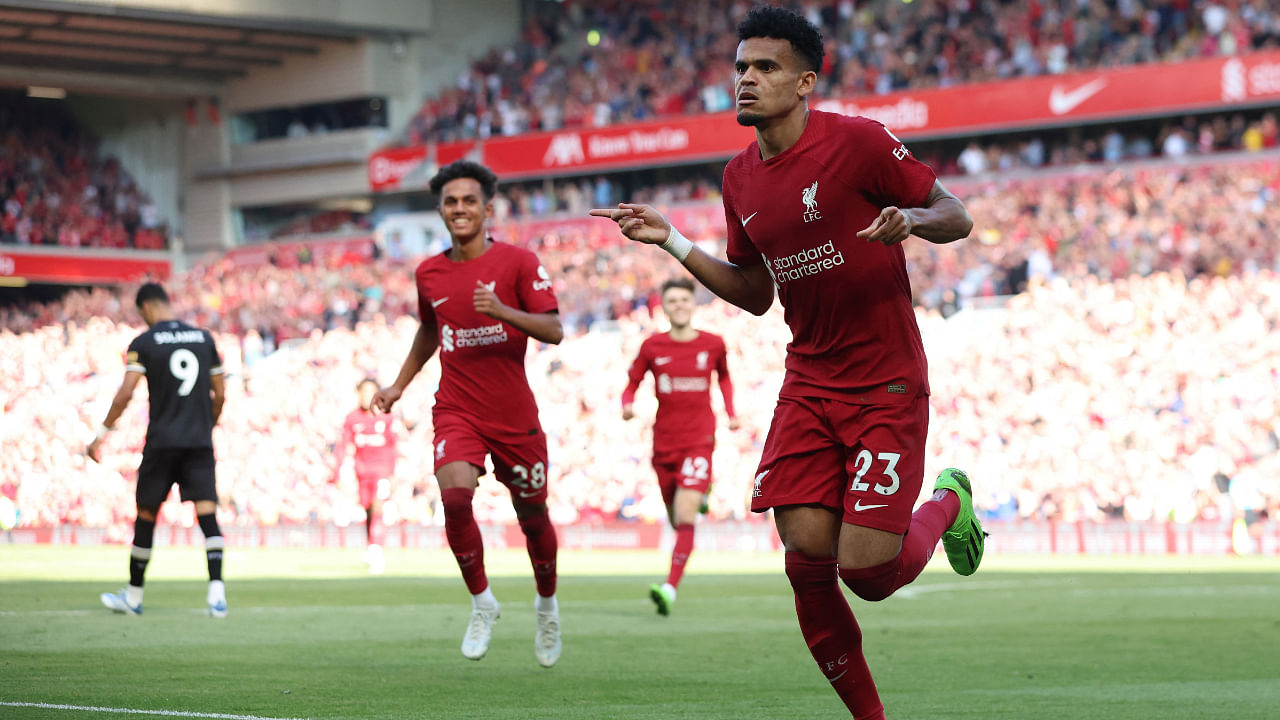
(1086, 396)
(58, 190)
(658, 58)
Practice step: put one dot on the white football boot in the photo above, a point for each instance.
(476, 642)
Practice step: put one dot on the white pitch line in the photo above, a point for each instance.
(135, 711)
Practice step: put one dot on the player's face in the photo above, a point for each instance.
(769, 80)
(367, 391)
(464, 209)
(677, 303)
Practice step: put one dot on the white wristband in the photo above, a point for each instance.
(677, 244)
(102, 431)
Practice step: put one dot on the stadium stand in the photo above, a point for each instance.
(1103, 258)
(59, 190)
(658, 58)
(1120, 276)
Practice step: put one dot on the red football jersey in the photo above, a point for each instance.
(846, 300)
(482, 360)
(374, 439)
(682, 381)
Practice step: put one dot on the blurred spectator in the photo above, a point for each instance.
(55, 189)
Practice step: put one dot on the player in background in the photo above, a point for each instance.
(817, 207)
(479, 302)
(684, 430)
(186, 391)
(374, 438)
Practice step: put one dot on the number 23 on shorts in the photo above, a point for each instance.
(864, 462)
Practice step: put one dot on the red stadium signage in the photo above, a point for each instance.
(1138, 90)
(676, 140)
(1134, 91)
(82, 268)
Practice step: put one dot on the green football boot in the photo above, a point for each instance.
(662, 597)
(965, 539)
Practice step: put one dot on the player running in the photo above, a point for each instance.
(374, 440)
(186, 391)
(684, 431)
(479, 302)
(817, 207)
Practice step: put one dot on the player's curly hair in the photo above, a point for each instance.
(466, 169)
(149, 292)
(766, 21)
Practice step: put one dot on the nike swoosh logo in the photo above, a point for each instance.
(1062, 101)
(661, 360)
(438, 303)
(747, 219)
(859, 507)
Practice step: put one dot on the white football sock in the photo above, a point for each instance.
(133, 595)
(484, 599)
(546, 604)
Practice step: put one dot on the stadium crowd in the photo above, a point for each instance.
(57, 189)
(1090, 394)
(1079, 400)
(593, 64)
(1218, 219)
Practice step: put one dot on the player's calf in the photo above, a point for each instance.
(214, 545)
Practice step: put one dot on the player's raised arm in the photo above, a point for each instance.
(425, 343)
(943, 219)
(750, 287)
(545, 326)
(118, 403)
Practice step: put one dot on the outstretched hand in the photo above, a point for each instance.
(641, 223)
(890, 227)
(385, 398)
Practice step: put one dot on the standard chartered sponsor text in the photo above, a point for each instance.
(474, 337)
(806, 263)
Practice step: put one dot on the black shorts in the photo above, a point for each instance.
(190, 468)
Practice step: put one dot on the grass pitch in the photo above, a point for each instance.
(311, 636)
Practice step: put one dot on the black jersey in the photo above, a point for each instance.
(178, 360)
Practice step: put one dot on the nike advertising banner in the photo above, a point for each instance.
(1115, 94)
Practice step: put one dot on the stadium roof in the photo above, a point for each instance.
(36, 35)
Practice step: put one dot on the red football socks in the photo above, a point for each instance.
(833, 635)
(928, 523)
(540, 539)
(680, 553)
(464, 537)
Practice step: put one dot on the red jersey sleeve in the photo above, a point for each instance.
(533, 286)
(739, 250)
(894, 175)
(639, 367)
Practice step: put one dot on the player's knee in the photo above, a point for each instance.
(209, 525)
(865, 588)
(147, 514)
(457, 504)
(533, 519)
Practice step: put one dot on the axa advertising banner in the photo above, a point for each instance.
(89, 268)
(1138, 90)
